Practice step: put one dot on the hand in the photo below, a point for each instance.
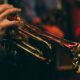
(5, 11)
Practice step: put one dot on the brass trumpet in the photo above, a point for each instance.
(20, 36)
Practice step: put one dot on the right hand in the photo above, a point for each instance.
(5, 11)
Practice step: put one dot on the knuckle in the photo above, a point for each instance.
(0, 18)
(11, 10)
(8, 11)
(7, 5)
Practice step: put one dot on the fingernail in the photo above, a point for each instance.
(11, 5)
(19, 9)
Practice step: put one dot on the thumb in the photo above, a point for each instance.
(8, 24)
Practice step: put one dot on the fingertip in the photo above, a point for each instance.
(18, 9)
(15, 23)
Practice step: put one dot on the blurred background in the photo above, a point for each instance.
(59, 17)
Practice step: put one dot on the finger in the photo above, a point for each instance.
(3, 7)
(12, 23)
(8, 24)
(8, 12)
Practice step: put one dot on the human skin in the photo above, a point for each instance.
(5, 11)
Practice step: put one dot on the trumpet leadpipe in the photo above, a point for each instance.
(36, 37)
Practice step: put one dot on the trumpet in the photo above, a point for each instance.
(22, 36)
(34, 41)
